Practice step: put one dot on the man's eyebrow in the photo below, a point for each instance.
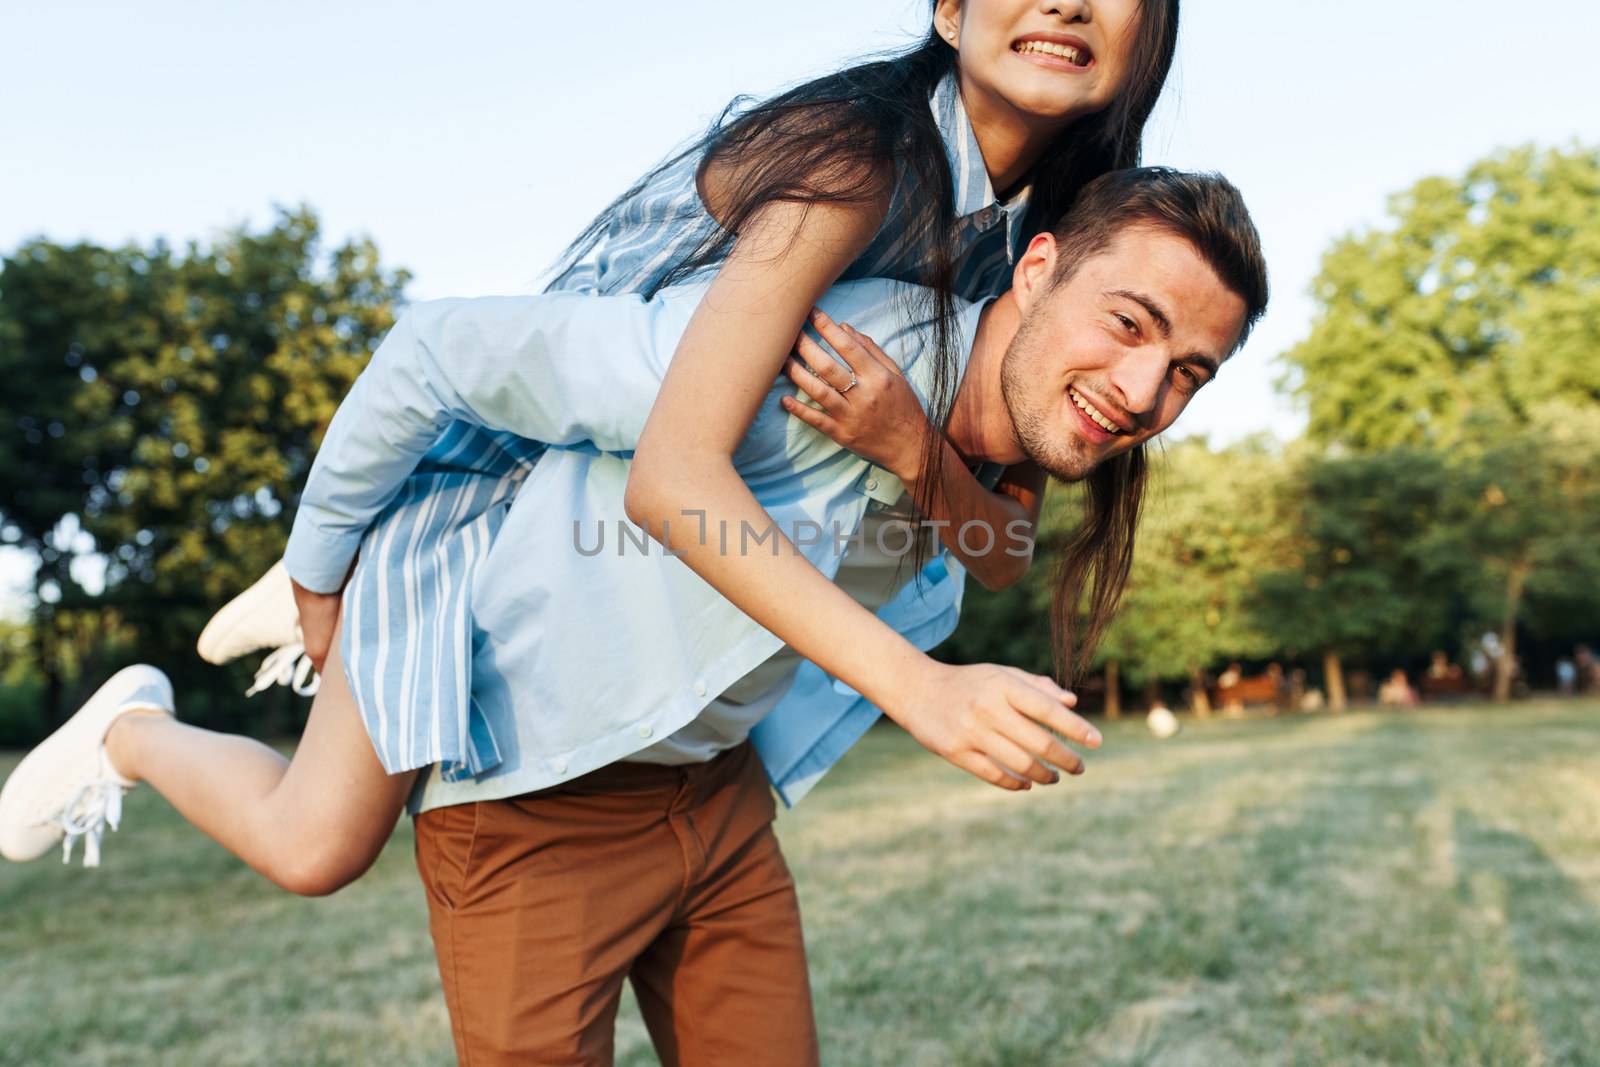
(1163, 323)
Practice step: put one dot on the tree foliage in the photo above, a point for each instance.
(162, 407)
(1371, 563)
(1205, 536)
(161, 412)
(1477, 303)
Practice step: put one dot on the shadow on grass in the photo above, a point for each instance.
(1553, 929)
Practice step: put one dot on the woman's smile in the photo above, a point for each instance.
(1056, 51)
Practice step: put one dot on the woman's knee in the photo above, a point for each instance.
(323, 868)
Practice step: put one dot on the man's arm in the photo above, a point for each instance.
(990, 532)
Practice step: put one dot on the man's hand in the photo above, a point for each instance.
(995, 722)
(878, 418)
(319, 614)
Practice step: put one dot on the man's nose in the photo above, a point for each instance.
(1138, 377)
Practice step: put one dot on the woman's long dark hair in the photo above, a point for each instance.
(826, 140)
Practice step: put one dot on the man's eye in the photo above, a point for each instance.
(1127, 323)
(1188, 378)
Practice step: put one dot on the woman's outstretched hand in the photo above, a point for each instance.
(995, 722)
(878, 418)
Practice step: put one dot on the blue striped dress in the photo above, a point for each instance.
(408, 638)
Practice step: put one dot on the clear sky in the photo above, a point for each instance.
(473, 139)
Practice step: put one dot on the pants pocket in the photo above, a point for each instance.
(446, 838)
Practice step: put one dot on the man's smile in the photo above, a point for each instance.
(1102, 427)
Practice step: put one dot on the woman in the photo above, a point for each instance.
(932, 166)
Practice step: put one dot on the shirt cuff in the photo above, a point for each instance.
(319, 559)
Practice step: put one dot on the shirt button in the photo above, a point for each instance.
(872, 483)
(645, 730)
(699, 689)
(560, 766)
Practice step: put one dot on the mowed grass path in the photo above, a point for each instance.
(1417, 888)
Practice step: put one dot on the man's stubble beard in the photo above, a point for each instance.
(1058, 450)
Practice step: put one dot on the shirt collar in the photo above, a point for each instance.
(974, 195)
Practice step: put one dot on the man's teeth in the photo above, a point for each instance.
(1093, 412)
(1049, 48)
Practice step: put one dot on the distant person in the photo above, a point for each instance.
(1396, 691)
(1228, 689)
(1479, 665)
(1440, 667)
(1583, 658)
(1443, 680)
(1296, 694)
(1280, 689)
(1566, 677)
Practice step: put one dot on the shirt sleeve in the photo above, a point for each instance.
(560, 368)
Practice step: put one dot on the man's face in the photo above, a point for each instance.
(1109, 358)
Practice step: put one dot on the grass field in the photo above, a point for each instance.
(1415, 888)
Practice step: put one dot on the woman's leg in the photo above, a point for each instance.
(311, 824)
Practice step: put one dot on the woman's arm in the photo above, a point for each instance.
(880, 417)
(984, 719)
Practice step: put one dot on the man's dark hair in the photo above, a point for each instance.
(1204, 209)
(1207, 211)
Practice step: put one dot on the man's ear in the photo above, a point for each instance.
(1035, 269)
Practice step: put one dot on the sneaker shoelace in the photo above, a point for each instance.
(290, 666)
(95, 806)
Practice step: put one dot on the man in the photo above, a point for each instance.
(598, 815)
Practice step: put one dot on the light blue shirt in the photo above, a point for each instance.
(603, 644)
(431, 544)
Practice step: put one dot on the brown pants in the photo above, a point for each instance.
(542, 904)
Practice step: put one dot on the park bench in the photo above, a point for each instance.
(1257, 689)
(1446, 687)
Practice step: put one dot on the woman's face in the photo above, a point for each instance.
(1052, 60)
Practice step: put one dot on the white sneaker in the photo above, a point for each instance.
(66, 788)
(263, 616)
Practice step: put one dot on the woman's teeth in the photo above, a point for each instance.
(1061, 51)
(1093, 412)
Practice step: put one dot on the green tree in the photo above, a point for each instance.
(1529, 506)
(1469, 325)
(1205, 536)
(1370, 562)
(167, 406)
(1477, 301)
